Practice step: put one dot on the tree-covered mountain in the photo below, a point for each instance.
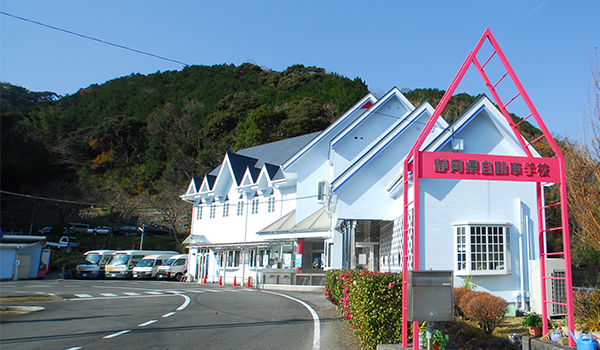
(133, 131)
(137, 140)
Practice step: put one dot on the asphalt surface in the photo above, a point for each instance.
(100, 314)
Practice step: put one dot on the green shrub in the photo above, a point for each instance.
(587, 309)
(487, 310)
(374, 308)
(532, 320)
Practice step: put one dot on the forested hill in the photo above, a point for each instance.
(134, 131)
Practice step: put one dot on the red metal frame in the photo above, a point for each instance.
(414, 170)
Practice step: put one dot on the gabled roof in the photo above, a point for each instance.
(277, 152)
(355, 111)
(194, 186)
(374, 108)
(482, 104)
(424, 111)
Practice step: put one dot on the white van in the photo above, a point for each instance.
(173, 268)
(122, 262)
(92, 263)
(148, 266)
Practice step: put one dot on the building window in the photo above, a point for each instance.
(263, 257)
(240, 208)
(482, 249)
(199, 213)
(225, 210)
(252, 258)
(271, 204)
(213, 207)
(233, 258)
(255, 206)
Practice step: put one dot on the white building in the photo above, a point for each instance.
(284, 212)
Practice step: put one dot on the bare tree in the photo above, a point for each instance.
(583, 165)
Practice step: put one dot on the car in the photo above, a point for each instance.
(65, 242)
(127, 230)
(77, 228)
(156, 230)
(102, 230)
(47, 230)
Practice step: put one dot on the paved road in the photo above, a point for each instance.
(109, 314)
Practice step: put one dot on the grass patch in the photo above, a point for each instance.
(25, 299)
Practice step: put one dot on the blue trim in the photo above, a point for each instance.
(380, 103)
(476, 113)
(322, 135)
(383, 147)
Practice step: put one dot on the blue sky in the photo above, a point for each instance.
(407, 44)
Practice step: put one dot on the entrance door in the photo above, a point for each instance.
(367, 256)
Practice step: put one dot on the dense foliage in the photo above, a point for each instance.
(136, 141)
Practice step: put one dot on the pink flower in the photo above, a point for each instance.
(391, 285)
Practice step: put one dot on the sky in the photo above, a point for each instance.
(404, 44)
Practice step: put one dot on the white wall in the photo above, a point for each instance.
(445, 202)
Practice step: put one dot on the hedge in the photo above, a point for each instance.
(371, 302)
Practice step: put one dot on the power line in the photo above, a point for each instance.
(94, 39)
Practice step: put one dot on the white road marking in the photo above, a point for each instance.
(84, 295)
(168, 314)
(317, 321)
(116, 334)
(155, 293)
(214, 291)
(147, 323)
(131, 293)
(196, 291)
(185, 303)
(75, 348)
(174, 291)
(109, 294)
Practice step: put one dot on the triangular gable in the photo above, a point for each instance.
(232, 172)
(406, 108)
(354, 112)
(194, 186)
(482, 108)
(207, 183)
(424, 111)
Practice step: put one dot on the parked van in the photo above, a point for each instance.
(148, 266)
(92, 263)
(122, 262)
(78, 229)
(173, 268)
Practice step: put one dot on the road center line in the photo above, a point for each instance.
(317, 321)
(168, 314)
(147, 323)
(117, 334)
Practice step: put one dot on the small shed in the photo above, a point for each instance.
(24, 251)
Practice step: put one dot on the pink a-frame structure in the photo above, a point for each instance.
(420, 164)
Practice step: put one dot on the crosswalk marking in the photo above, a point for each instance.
(84, 295)
(109, 294)
(155, 293)
(131, 293)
